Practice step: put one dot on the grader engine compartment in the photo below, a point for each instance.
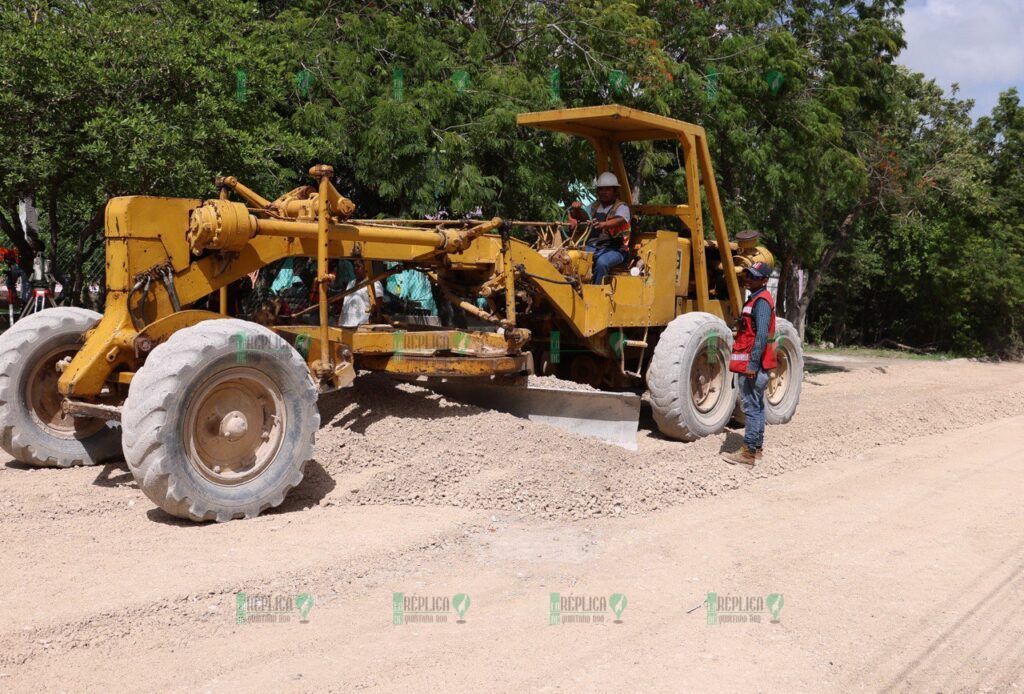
(218, 415)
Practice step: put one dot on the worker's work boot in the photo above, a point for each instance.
(744, 456)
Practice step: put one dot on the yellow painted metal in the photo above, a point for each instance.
(223, 291)
(590, 309)
(448, 367)
(610, 121)
(509, 272)
(429, 240)
(142, 233)
(162, 328)
(684, 260)
(383, 339)
(220, 225)
(663, 210)
(323, 278)
(718, 221)
(246, 193)
(147, 242)
(607, 126)
(745, 258)
(700, 272)
(145, 233)
(442, 352)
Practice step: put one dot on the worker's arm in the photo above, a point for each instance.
(762, 318)
(577, 214)
(622, 216)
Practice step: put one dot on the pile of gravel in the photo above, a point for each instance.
(384, 442)
(387, 442)
(555, 382)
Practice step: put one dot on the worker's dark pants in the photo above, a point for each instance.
(752, 402)
(605, 259)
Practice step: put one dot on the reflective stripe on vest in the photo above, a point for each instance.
(746, 335)
(621, 230)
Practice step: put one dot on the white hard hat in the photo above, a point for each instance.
(607, 180)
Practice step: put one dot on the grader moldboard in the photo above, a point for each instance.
(216, 416)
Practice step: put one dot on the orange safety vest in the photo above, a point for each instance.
(745, 336)
(619, 231)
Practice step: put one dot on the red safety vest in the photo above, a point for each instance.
(744, 343)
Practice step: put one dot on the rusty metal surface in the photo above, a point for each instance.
(447, 367)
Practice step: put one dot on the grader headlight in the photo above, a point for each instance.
(220, 225)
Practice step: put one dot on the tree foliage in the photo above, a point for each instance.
(901, 216)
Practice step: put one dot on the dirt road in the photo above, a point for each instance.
(888, 516)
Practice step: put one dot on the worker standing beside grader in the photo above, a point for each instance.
(216, 416)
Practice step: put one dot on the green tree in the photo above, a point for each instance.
(904, 217)
(115, 97)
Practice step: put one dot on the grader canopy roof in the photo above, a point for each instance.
(612, 122)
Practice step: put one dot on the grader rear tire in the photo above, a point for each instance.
(32, 426)
(691, 389)
(220, 421)
(782, 394)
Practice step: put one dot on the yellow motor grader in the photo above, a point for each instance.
(216, 416)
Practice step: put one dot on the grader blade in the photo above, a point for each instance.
(610, 417)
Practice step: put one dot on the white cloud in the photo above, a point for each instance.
(978, 44)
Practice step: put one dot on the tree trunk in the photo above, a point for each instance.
(85, 233)
(16, 236)
(51, 212)
(827, 256)
(789, 285)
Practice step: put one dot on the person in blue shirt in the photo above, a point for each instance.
(610, 220)
(412, 288)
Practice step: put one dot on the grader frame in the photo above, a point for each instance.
(147, 248)
(211, 434)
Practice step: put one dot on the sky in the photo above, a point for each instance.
(976, 43)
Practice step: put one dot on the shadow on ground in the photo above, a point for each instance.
(316, 484)
(374, 397)
(818, 366)
(732, 443)
(115, 475)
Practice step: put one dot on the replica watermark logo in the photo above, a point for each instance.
(272, 609)
(616, 342)
(247, 345)
(743, 609)
(586, 609)
(428, 343)
(428, 609)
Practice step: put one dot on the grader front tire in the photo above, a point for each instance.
(691, 389)
(220, 421)
(32, 426)
(782, 395)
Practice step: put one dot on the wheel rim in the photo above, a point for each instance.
(779, 379)
(707, 379)
(234, 426)
(43, 400)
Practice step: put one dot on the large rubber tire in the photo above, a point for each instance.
(31, 427)
(683, 348)
(779, 409)
(202, 371)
